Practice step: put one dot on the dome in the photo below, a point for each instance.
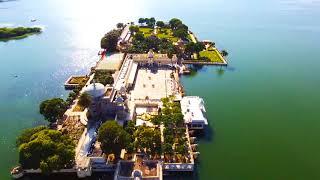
(95, 90)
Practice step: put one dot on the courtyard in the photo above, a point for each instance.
(153, 85)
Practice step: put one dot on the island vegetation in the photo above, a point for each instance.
(7, 33)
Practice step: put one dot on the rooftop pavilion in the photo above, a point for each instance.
(193, 110)
(110, 63)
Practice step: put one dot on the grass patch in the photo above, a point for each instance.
(212, 55)
(146, 31)
(166, 33)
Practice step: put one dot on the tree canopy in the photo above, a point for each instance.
(110, 40)
(120, 25)
(53, 109)
(160, 24)
(174, 23)
(141, 44)
(134, 28)
(85, 100)
(192, 47)
(46, 149)
(113, 137)
(148, 138)
(180, 33)
(149, 21)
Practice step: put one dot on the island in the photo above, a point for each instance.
(129, 116)
(7, 33)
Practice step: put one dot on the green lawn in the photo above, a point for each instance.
(166, 33)
(146, 31)
(212, 55)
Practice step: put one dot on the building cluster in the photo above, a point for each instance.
(141, 81)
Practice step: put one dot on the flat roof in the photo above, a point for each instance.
(154, 85)
(193, 110)
(110, 62)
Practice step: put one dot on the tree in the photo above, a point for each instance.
(224, 53)
(141, 20)
(174, 23)
(53, 109)
(181, 149)
(170, 54)
(148, 138)
(182, 26)
(113, 137)
(110, 41)
(134, 29)
(130, 128)
(45, 149)
(151, 22)
(180, 33)
(190, 48)
(139, 36)
(85, 100)
(26, 134)
(120, 25)
(167, 148)
(198, 47)
(160, 24)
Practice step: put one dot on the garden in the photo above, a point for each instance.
(166, 33)
(146, 31)
(211, 55)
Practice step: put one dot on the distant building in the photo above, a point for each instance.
(193, 110)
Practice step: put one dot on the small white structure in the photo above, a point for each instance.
(193, 111)
(95, 90)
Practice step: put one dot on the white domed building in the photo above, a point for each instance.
(95, 90)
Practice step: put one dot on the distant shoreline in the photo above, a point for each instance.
(7, 34)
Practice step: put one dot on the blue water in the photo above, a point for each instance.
(263, 110)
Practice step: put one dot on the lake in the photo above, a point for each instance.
(263, 109)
